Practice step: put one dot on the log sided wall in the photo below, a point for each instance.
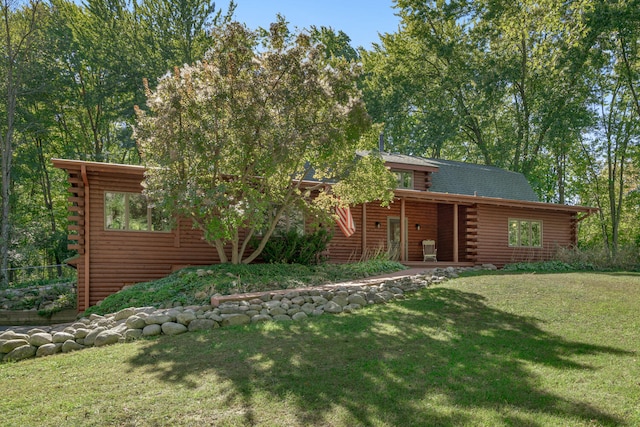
(110, 259)
(492, 231)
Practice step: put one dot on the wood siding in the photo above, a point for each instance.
(111, 259)
(493, 235)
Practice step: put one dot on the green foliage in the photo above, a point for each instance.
(543, 267)
(292, 247)
(195, 285)
(230, 141)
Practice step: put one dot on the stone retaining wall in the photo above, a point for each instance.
(133, 323)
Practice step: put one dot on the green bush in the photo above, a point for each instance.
(293, 248)
(196, 285)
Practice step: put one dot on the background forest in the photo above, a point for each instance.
(550, 89)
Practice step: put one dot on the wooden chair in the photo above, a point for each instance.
(429, 250)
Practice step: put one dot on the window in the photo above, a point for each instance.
(291, 220)
(130, 211)
(405, 179)
(525, 233)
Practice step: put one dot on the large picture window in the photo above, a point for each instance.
(130, 212)
(525, 233)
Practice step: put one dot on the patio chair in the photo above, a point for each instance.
(429, 250)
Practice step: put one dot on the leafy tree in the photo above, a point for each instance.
(489, 81)
(230, 140)
(18, 28)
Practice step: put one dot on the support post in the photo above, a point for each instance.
(403, 230)
(455, 232)
(87, 237)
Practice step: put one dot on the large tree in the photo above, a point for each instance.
(229, 141)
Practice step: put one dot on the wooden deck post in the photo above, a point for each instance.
(87, 236)
(364, 229)
(455, 232)
(403, 230)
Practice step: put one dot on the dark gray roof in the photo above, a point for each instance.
(401, 159)
(486, 181)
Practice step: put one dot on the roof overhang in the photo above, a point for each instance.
(494, 201)
(98, 167)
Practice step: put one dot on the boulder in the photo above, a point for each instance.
(71, 345)
(91, 336)
(157, 319)
(9, 345)
(202, 325)
(60, 337)
(152, 330)
(235, 319)
(132, 334)
(260, 318)
(301, 315)
(124, 313)
(136, 322)
(332, 307)
(81, 333)
(173, 328)
(106, 338)
(357, 299)
(40, 338)
(20, 353)
(47, 350)
(281, 318)
(186, 317)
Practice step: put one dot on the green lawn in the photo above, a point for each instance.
(503, 350)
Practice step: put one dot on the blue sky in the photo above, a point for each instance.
(361, 20)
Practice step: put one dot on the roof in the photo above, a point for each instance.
(480, 180)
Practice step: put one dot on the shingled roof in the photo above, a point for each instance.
(481, 180)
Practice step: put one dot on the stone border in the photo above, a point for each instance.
(285, 305)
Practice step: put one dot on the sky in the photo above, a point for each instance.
(361, 20)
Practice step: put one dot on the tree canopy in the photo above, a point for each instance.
(260, 125)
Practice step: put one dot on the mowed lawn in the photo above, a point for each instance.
(500, 350)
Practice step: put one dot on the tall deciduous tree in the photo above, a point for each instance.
(230, 140)
(19, 25)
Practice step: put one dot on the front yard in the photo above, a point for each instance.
(521, 349)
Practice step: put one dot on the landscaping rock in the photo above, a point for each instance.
(157, 319)
(152, 330)
(186, 317)
(9, 345)
(235, 319)
(173, 328)
(47, 350)
(71, 345)
(132, 334)
(301, 315)
(20, 353)
(202, 325)
(60, 337)
(281, 318)
(106, 338)
(260, 318)
(40, 338)
(91, 336)
(332, 307)
(136, 322)
(124, 313)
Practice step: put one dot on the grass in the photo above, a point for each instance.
(507, 350)
(195, 285)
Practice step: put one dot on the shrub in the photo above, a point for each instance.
(293, 248)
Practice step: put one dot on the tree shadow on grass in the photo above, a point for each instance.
(400, 364)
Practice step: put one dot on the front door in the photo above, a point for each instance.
(393, 237)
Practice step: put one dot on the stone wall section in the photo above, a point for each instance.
(287, 305)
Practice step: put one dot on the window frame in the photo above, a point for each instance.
(127, 217)
(534, 238)
(400, 180)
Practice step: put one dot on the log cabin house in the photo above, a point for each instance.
(476, 214)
